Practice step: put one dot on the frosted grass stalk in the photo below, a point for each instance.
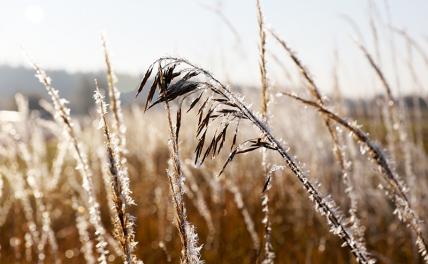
(200, 204)
(58, 163)
(269, 254)
(62, 115)
(82, 226)
(249, 223)
(189, 238)
(119, 127)
(122, 200)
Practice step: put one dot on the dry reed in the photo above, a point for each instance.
(123, 222)
(269, 255)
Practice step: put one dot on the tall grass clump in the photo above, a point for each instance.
(221, 105)
(395, 189)
(32, 179)
(338, 147)
(62, 115)
(188, 235)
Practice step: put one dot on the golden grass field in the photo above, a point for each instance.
(194, 172)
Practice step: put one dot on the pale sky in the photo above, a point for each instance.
(66, 35)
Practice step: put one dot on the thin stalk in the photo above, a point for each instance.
(269, 255)
(123, 222)
(189, 238)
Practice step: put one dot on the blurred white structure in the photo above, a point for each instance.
(9, 116)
